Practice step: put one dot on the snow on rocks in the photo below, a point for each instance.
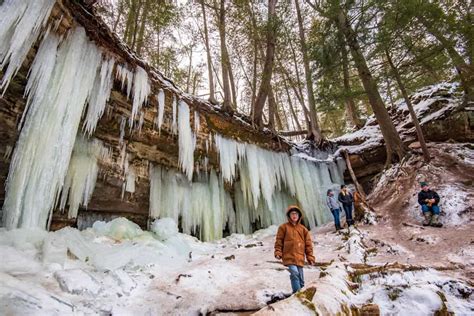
(416, 293)
(355, 247)
(77, 281)
(27, 297)
(430, 104)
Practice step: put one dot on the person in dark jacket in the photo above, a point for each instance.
(429, 200)
(346, 199)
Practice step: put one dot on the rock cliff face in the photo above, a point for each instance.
(144, 145)
(442, 117)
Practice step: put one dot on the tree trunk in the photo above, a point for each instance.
(292, 110)
(121, 10)
(233, 89)
(135, 25)
(394, 144)
(127, 35)
(298, 89)
(141, 33)
(227, 106)
(279, 122)
(271, 110)
(315, 130)
(414, 118)
(190, 68)
(465, 71)
(212, 97)
(359, 188)
(351, 112)
(268, 66)
(254, 76)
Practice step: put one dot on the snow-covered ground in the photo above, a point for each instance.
(118, 269)
(394, 265)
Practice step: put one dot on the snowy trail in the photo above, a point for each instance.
(236, 274)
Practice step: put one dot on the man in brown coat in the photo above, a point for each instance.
(292, 242)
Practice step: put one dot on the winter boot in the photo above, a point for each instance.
(435, 221)
(427, 220)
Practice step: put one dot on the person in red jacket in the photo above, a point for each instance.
(293, 242)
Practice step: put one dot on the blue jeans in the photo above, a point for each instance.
(296, 277)
(335, 213)
(434, 209)
(348, 211)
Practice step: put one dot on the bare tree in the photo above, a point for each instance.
(265, 84)
(315, 131)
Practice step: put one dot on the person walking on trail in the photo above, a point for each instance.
(346, 199)
(293, 242)
(429, 200)
(334, 207)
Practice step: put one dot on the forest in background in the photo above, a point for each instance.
(316, 69)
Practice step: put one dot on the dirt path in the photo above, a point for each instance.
(399, 235)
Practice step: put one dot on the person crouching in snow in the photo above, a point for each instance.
(293, 242)
(334, 207)
(429, 199)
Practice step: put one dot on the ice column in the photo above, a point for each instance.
(43, 150)
(186, 144)
(141, 90)
(100, 95)
(82, 174)
(161, 108)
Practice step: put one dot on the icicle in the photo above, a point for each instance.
(155, 191)
(8, 153)
(123, 157)
(82, 174)
(130, 180)
(141, 120)
(341, 165)
(123, 122)
(41, 71)
(141, 90)
(174, 125)
(44, 148)
(20, 25)
(100, 95)
(266, 177)
(125, 75)
(130, 176)
(228, 156)
(161, 108)
(243, 225)
(186, 147)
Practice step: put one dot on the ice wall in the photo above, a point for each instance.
(263, 183)
(43, 150)
(204, 206)
(266, 175)
(82, 174)
(252, 187)
(69, 81)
